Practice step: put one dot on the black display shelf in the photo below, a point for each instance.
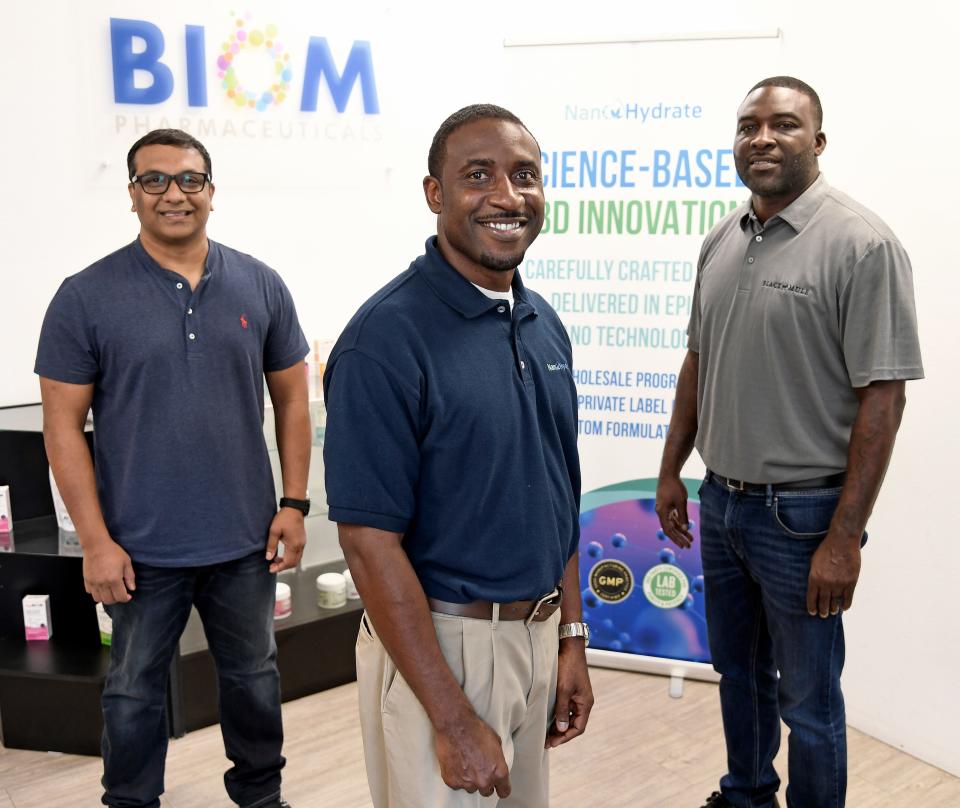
(50, 690)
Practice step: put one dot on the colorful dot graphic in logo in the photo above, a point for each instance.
(254, 40)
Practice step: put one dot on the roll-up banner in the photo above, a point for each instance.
(638, 167)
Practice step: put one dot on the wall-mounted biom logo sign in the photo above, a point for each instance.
(139, 45)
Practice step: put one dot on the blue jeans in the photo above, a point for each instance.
(235, 602)
(756, 550)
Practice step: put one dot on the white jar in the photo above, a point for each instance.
(352, 593)
(331, 590)
(284, 603)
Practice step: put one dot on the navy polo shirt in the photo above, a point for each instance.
(182, 469)
(453, 420)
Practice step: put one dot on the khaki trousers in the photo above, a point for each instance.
(508, 672)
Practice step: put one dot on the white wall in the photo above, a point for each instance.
(340, 217)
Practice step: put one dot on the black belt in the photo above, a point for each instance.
(830, 481)
(528, 610)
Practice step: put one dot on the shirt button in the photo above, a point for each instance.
(189, 311)
(179, 285)
(523, 365)
(750, 260)
(192, 336)
(501, 309)
(759, 238)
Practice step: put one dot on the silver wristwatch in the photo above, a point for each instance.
(575, 630)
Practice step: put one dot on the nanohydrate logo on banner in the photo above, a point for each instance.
(665, 586)
(611, 580)
(262, 42)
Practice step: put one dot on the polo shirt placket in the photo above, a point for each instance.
(521, 312)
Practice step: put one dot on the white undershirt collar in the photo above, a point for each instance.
(493, 295)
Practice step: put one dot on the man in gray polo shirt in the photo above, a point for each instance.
(802, 335)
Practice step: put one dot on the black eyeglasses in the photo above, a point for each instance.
(156, 182)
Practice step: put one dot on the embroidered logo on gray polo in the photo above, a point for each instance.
(794, 289)
(553, 368)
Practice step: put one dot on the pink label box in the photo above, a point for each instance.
(36, 617)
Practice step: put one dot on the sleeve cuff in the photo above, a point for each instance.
(381, 521)
(61, 375)
(886, 375)
(289, 360)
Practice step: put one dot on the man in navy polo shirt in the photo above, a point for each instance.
(452, 470)
(169, 340)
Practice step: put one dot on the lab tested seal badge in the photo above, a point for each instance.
(665, 586)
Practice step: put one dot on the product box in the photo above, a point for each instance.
(64, 522)
(6, 516)
(106, 625)
(68, 544)
(36, 617)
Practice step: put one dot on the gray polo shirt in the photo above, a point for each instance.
(788, 318)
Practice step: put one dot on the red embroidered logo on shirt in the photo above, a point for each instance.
(243, 320)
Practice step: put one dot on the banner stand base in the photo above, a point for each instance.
(676, 669)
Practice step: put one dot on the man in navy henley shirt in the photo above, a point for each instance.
(169, 340)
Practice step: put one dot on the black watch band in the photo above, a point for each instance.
(302, 505)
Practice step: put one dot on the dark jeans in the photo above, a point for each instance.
(756, 551)
(235, 602)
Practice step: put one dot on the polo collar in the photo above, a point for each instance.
(456, 291)
(799, 212)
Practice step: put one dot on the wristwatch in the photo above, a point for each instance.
(302, 505)
(575, 630)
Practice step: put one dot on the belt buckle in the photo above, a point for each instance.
(548, 599)
(735, 485)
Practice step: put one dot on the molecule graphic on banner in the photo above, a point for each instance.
(641, 594)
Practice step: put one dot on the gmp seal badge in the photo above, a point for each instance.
(611, 580)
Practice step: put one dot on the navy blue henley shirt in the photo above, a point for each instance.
(182, 469)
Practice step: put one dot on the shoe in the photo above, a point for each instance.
(717, 800)
(279, 802)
